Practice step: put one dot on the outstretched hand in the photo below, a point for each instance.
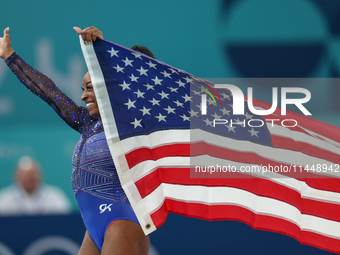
(5, 45)
(89, 34)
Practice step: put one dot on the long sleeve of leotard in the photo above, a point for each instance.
(44, 87)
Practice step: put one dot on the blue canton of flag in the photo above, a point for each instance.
(156, 96)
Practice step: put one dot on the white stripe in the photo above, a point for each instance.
(312, 133)
(155, 139)
(276, 154)
(302, 137)
(174, 136)
(294, 158)
(146, 167)
(233, 196)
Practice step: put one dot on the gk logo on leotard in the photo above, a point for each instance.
(104, 207)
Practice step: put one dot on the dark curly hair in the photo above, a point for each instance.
(143, 50)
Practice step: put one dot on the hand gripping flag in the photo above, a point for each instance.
(171, 157)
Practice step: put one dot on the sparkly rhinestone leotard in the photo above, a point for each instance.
(95, 182)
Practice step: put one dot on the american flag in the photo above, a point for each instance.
(172, 158)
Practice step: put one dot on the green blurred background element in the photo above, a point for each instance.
(208, 38)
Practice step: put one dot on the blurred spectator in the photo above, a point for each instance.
(29, 196)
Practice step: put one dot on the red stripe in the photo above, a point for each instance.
(247, 158)
(173, 150)
(321, 242)
(259, 187)
(201, 148)
(308, 149)
(312, 179)
(256, 221)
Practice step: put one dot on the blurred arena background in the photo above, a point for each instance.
(207, 38)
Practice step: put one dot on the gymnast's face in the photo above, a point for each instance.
(89, 97)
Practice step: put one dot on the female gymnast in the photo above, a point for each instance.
(111, 225)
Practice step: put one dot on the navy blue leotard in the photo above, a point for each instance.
(95, 182)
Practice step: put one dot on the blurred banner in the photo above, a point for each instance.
(40, 235)
(62, 235)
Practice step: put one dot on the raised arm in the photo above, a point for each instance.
(5, 45)
(42, 86)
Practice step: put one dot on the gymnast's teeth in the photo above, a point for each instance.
(89, 104)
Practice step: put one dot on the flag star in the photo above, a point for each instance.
(127, 62)
(163, 95)
(154, 101)
(136, 123)
(178, 103)
(130, 104)
(170, 110)
(197, 93)
(200, 80)
(139, 94)
(225, 111)
(193, 113)
(142, 71)
(225, 96)
(151, 65)
(113, 52)
(239, 122)
(119, 69)
(253, 132)
(180, 83)
(160, 118)
(173, 89)
(133, 78)
(185, 118)
(216, 116)
(208, 122)
(145, 111)
(188, 79)
(148, 86)
(125, 85)
(136, 55)
(199, 106)
(166, 74)
(231, 105)
(248, 116)
(231, 128)
(210, 101)
(157, 81)
(173, 70)
(187, 98)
